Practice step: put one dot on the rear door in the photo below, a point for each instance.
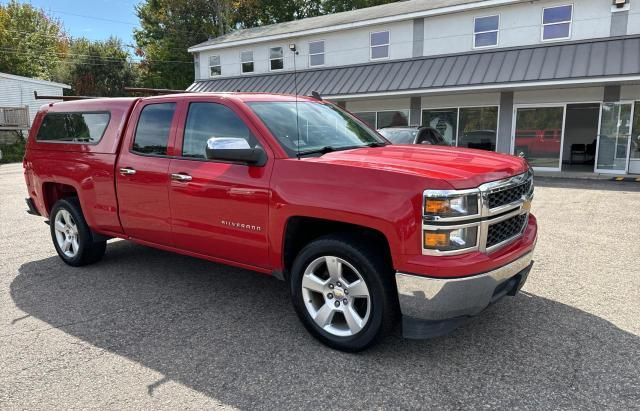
(219, 209)
(142, 172)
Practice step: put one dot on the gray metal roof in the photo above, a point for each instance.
(370, 13)
(602, 58)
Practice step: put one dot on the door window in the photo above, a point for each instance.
(207, 120)
(154, 127)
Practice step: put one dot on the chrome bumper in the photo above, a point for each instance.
(438, 299)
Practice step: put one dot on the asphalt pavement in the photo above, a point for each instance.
(146, 329)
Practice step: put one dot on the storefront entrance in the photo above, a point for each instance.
(585, 137)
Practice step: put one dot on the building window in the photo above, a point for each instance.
(316, 53)
(379, 45)
(471, 127)
(556, 22)
(246, 61)
(214, 66)
(485, 31)
(276, 59)
(382, 119)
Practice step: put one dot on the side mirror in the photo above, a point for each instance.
(234, 150)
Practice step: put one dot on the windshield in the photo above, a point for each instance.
(322, 127)
(399, 136)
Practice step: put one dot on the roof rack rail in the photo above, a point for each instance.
(63, 98)
(147, 90)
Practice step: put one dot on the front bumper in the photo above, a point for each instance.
(435, 306)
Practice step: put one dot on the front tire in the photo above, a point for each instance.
(72, 236)
(343, 293)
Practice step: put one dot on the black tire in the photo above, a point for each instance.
(378, 276)
(90, 250)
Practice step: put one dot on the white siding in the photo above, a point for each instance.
(633, 24)
(461, 100)
(569, 95)
(19, 93)
(341, 48)
(520, 25)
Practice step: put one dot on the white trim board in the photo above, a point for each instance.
(33, 80)
(500, 86)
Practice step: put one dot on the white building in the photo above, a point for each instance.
(17, 92)
(555, 80)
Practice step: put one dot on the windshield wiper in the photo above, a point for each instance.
(329, 149)
(323, 150)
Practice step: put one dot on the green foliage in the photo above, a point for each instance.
(13, 153)
(167, 29)
(97, 68)
(32, 44)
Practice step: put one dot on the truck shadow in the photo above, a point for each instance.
(232, 335)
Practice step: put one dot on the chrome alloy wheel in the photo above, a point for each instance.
(336, 296)
(66, 233)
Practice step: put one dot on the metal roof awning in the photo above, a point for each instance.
(594, 61)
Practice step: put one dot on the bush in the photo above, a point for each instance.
(13, 153)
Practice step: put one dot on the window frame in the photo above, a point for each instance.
(252, 61)
(497, 31)
(108, 113)
(279, 58)
(371, 46)
(543, 24)
(215, 65)
(324, 50)
(170, 137)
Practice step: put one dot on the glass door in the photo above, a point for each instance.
(538, 135)
(614, 137)
(634, 152)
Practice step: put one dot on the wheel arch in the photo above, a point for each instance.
(302, 230)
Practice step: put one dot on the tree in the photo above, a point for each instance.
(32, 44)
(167, 29)
(97, 68)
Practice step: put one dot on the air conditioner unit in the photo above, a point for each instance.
(620, 3)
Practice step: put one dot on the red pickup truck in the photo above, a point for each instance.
(365, 233)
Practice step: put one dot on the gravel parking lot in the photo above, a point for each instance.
(149, 329)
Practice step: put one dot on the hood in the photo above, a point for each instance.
(460, 167)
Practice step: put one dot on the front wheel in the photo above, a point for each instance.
(342, 293)
(72, 236)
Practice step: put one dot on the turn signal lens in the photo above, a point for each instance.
(435, 240)
(451, 240)
(460, 206)
(436, 206)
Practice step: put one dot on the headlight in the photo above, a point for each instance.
(456, 239)
(448, 207)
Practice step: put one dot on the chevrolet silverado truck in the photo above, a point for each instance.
(367, 235)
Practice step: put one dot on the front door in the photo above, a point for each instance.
(142, 175)
(218, 209)
(612, 155)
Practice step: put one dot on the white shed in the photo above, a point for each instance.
(17, 92)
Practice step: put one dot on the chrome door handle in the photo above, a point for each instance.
(127, 171)
(180, 177)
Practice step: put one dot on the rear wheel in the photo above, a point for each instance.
(342, 293)
(71, 235)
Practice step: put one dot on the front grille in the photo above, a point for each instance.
(509, 195)
(505, 230)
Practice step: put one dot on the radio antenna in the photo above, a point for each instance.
(293, 49)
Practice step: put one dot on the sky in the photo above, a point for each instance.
(94, 19)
